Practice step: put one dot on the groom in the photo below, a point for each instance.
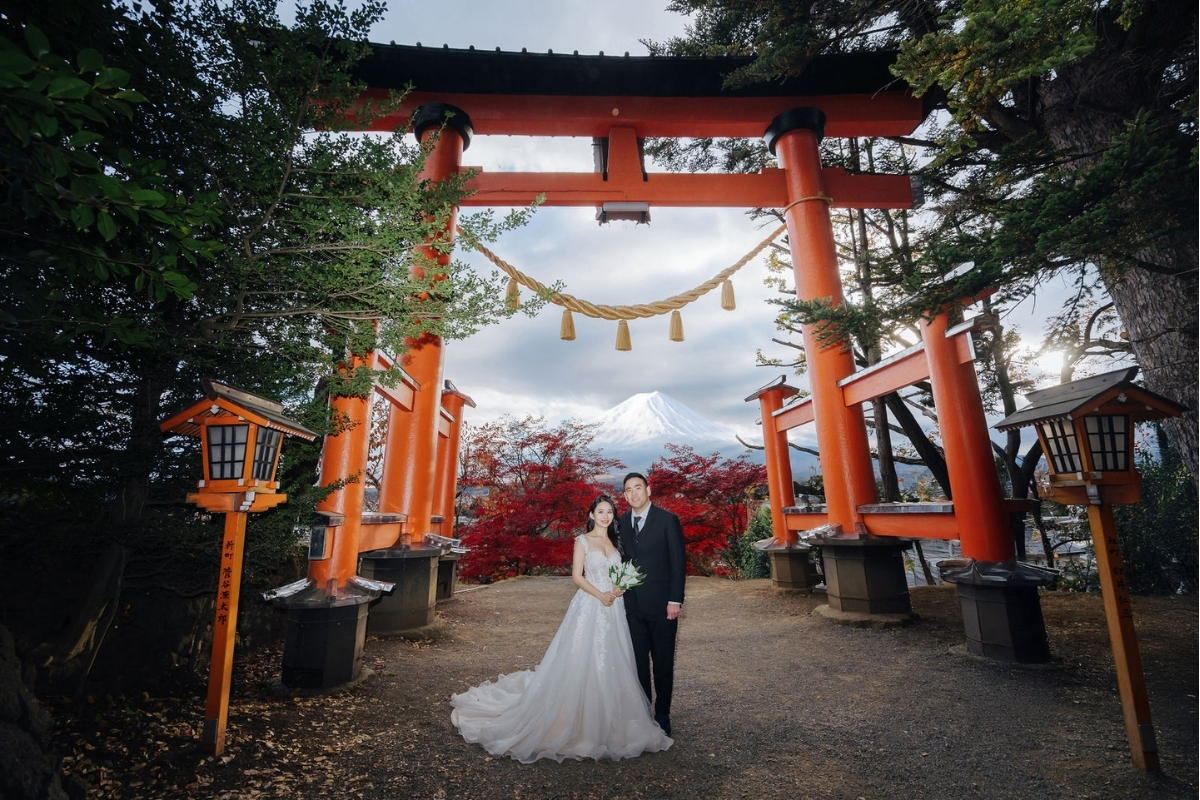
(653, 540)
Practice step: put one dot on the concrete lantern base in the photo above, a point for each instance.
(447, 576)
(324, 643)
(1001, 608)
(413, 602)
(793, 570)
(865, 575)
(1004, 623)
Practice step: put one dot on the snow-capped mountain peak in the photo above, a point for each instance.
(659, 418)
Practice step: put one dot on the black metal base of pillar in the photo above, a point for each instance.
(865, 575)
(1004, 622)
(447, 575)
(793, 570)
(324, 644)
(412, 604)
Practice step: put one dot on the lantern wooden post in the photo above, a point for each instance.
(1127, 658)
(239, 478)
(220, 672)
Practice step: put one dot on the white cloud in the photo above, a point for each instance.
(562, 25)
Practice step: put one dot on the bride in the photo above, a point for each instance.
(584, 699)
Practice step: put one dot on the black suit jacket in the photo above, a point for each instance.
(658, 552)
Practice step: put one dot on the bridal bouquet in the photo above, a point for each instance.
(625, 576)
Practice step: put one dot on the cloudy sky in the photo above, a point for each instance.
(521, 366)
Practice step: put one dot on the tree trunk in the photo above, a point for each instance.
(1160, 315)
(1082, 110)
(933, 458)
(887, 465)
(929, 581)
(66, 659)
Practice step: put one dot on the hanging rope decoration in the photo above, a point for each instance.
(623, 314)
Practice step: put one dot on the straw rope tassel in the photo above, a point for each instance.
(642, 310)
(623, 342)
(676, 334)
(566, 330)
(727, 296)
(512, 296)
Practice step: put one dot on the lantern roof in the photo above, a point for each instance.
(221, 400)
(1108, 393)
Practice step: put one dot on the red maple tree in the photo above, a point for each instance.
(525, 488)
(713, 498)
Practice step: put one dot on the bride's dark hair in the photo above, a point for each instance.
(612, 526)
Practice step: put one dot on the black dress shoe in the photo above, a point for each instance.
(664, 722)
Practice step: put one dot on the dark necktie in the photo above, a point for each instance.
(637, 526)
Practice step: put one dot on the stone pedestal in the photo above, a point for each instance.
(447, 575)
(1002, 612)
(793, 569)
(865, 574)
(412, 603)
(324, 644)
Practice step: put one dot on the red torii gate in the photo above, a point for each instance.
(619, 101)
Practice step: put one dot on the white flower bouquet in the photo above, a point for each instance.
(625, 576)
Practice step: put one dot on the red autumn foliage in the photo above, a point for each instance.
(526, 487)
(713, 498)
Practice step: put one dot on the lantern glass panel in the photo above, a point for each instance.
(266, 448)
(1108, 437)
(227, 451)
(1062, 450)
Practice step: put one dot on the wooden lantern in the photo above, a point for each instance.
(1086, 431)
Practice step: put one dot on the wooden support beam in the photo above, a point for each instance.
(794, 416)
(895, 113)
(765, 189)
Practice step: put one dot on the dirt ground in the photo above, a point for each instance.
(771, 700)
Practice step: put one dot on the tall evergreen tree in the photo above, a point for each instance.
(1069, 144)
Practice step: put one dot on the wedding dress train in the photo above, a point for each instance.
(582, 701)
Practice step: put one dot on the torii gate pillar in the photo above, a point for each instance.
(863, 574)
(410, 474)
(411, 458)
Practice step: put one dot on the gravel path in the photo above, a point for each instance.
(774, 701)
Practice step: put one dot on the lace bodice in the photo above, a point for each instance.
(596, 564)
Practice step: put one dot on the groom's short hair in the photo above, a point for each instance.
(633, 475)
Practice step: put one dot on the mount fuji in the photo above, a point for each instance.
(638, 429)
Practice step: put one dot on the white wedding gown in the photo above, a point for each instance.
(582, 701)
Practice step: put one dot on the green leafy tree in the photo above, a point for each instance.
(182, 199)
(1068, 144)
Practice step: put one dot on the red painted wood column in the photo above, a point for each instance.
(978, 502)
(412, 445)
(453, 401)
(344, 458)
(794, 137)
(779, 464)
